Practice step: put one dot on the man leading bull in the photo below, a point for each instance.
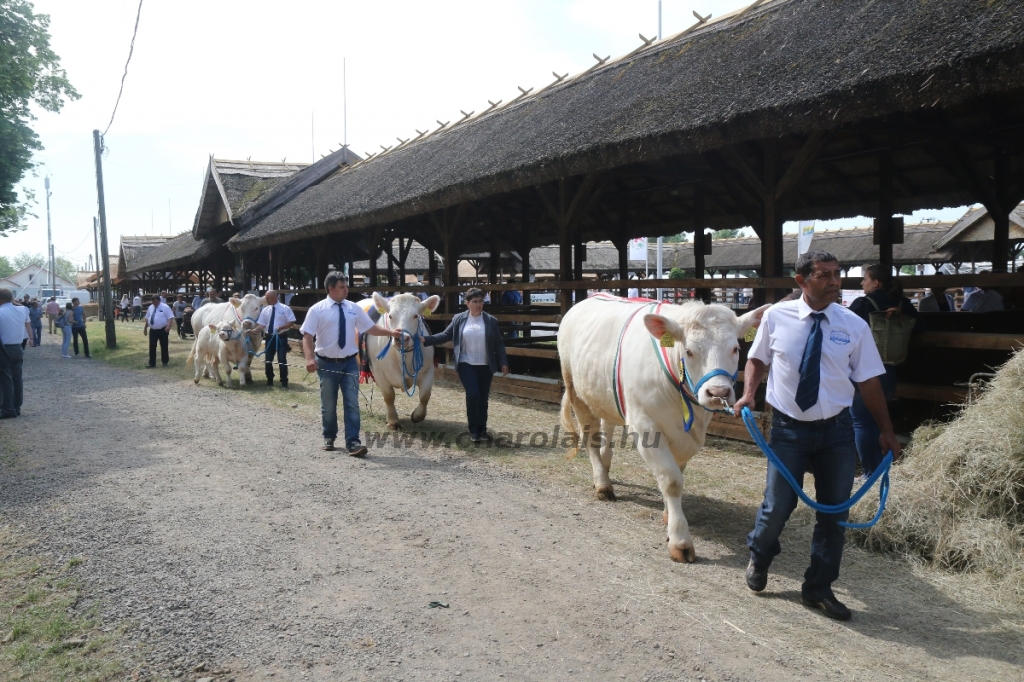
(329, 344)
(276, 318)
(817, 351)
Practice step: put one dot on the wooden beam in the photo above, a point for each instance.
(884, 215)
(745, 171)
(795, 175)
(1000, 212)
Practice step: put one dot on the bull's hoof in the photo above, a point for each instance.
(605, 494)
(682, 555)
(664, 518)
(397, 426)
(220, 383)
(196, 380)
(417, 418)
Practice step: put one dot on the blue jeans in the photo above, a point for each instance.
(865, 430)
(476, 380)
(66, 346)
(343, 375)
(37, 333)
(826, 449)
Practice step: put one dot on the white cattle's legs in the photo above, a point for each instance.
(669, 475)
(596, 447)
(388, 393)
(420, 413)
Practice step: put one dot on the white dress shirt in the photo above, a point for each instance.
(137, 301)
(12, 325)
(159, 318)
(283, 316)
(848, 353)
(474, 341)
(23, 309)
(322, 322)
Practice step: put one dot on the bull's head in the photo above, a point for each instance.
(224, 331)
(405, 312)
(248, 309)
(705, 338)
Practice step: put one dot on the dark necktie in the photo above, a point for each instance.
(810, 366)
(341, 325)
(152, 316)
(270, 327)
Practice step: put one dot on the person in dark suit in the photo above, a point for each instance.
(479, 354)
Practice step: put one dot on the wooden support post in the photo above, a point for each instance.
(564, 246)
(373, 247)
(492, 266)
(404, 246)
(578, 257)
(883, 231)
(699, 238)
(389, 248)
(771, 239)
(622, 246)
(1001, 211)
(431, 267)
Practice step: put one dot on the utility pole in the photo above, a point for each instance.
(99, 290)
(49, 234)
(105, 297)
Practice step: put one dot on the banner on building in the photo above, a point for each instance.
(805, 235)
(638, 249)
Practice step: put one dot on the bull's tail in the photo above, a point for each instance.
(569, 421)
(192, 353)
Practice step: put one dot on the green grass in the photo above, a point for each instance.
(41, 638)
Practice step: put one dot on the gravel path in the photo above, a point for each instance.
(221, 534)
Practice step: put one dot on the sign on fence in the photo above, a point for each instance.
(638, 249)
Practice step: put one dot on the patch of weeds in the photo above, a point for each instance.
(41, 638)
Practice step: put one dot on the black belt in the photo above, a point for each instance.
(810, 423)
(327, 359)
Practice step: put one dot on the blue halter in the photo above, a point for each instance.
(695, 389)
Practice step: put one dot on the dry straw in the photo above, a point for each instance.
(956, 499)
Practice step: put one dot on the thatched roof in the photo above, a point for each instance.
(133, 248)
(977, 225)
(231, 188)
(784, 68)
(181, 250)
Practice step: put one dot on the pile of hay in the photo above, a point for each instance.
(957, 498)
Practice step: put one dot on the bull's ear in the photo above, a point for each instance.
(381, 303)
(263, 301)
(750, 321)
(235, 302)
(213, 328)
(430, 305)
(662, 328)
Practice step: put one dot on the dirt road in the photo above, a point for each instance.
(220, 533)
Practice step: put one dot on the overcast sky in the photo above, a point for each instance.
(242, 78)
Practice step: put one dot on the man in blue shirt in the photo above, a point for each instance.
(13, 326)
(78, 326)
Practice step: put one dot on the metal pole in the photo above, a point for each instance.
(661, 240)
(96, 243)
(107, 310)
(49, 234)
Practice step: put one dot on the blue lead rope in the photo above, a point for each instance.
(417, 361)
(882, 472)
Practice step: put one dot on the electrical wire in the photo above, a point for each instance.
(131, 49)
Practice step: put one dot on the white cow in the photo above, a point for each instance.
(404, 311)
(219, 345)
(621, 365)
(241, 312)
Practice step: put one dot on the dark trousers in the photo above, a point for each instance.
(476, 380)
(11, 358)
(156, 335)
(80, 331)
(826, 449)
(277, 348)
(177, 322)
(136, 313)
(865, 430)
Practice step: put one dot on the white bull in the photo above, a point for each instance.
(621, 365)
(240, 312)
(405, 312)
(219, 345)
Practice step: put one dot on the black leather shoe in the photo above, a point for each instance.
(757, 578)
(830, 606)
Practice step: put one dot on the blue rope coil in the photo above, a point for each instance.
(881, 473)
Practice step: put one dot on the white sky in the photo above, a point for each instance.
(241, 78)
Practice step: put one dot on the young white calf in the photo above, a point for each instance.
(220, 345)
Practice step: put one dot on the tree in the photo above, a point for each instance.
(725, 234)
(6, 269)
(62, 266)
(681, 238)
(30, 73)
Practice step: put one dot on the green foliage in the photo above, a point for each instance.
(907, 270)
(725, 234)
(681, 238)
(62, 266)
(6, 269)
(30, 73)
(676, 273)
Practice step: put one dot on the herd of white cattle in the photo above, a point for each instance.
(625, 362)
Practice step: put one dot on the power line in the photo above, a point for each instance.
(131, 49)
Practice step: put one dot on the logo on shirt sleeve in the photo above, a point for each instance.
(840, 336)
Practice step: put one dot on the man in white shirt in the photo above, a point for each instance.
(815, 349)
(329, 345)
(158, 321)
(136, 307)
(13, 328)
(276, 319)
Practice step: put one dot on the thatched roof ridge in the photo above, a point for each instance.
(133, 248)
(180, 250)
(230, 188)
(828, 64)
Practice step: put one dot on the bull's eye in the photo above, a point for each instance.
(736, 349)
(689, 353)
